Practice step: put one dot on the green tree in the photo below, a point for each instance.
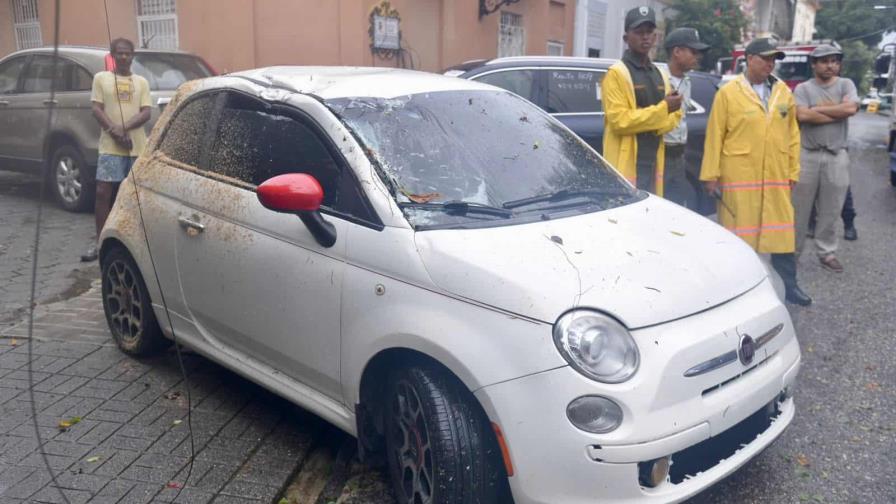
(721, 24)
(858, 27)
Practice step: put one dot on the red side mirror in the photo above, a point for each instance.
(291, 193)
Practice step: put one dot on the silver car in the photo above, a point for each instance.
(69, 147)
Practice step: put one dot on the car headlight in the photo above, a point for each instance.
(597, 346)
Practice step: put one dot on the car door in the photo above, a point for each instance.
(33, 105)
(574, 97)
(254, 281)
(11, 72)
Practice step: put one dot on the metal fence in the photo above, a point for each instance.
(511, 35)
(26, 24)
(157, 24)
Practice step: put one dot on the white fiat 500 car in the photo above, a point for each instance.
(441, 269)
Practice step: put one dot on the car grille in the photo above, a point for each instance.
(705, 455)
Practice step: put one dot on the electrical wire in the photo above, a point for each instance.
(51, 105)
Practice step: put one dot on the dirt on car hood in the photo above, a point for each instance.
(644, 263)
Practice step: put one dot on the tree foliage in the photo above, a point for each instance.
(858, 27)
(720, 22)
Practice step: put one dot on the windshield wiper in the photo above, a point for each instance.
(562, 194)
(461, 208)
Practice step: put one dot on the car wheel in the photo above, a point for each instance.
(127, 306)
(440, 446)
(70, 180)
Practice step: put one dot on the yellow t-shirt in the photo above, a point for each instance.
(133, 93)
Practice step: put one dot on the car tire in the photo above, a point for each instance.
(893, 178)
(127, 306)
(70, 180)
(440, 447)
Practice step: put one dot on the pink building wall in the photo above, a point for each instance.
(239, 34)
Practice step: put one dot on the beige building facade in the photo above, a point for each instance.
(235, 35)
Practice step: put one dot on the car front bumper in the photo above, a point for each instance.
(665, 414)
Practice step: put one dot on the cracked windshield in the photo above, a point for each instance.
(516, 160)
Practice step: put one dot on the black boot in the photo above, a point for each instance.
(785, 265)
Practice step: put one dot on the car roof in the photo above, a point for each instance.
(346, 82)
(566, 61)
(93, 57)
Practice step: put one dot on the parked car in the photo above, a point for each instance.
(69, 148)
(569, 89)
(443, 270)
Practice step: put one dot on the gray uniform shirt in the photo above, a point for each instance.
(831, 136)
(679, 136)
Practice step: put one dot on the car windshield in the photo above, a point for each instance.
(167, 71)
(459, 157)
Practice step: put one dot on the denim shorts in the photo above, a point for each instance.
(112, 168)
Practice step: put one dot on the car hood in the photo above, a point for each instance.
(644, 263)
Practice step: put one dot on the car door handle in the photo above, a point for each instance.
(4, 103)
(50, 102)
(190, 225)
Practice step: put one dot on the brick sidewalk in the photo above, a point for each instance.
(131, 444)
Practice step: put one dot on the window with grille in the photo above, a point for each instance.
(26, 24)
(555, 49)
(157, 24)
(511, 35)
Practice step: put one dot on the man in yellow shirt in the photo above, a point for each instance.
(751, 161)
(639, 106)
(121, 106)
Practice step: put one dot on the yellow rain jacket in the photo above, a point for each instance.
(623, 120)
(754, 153)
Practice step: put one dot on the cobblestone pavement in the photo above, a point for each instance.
(64, 238)
(130, 442)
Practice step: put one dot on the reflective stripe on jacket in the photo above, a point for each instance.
(754, 153)
(623, 120)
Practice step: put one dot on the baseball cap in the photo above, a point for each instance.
(825, 50)
(638, 16)
(685, 37)
(764, 47)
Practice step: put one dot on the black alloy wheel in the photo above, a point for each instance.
(128, 307)
(440, 445)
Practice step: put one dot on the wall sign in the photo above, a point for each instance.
(385, 30)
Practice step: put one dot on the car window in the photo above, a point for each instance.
(574, 91)
(520, 82)
(185, 137)
(39, 75)
(168, 71)
(9, 74)
(79, 79)
(255, 142)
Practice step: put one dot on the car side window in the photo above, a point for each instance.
(39, 75)
(9, 75)
(256, 141)
(78, 78)
(186, 134)
(521, 82)
(574, 91)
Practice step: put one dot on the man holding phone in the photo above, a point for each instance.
(684, 50)
(639, 106)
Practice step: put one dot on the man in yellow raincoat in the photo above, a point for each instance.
(639, 106)
(751, 161)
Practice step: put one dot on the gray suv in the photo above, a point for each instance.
(69, 148)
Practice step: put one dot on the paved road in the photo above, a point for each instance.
(836, 451)
(64, 237)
